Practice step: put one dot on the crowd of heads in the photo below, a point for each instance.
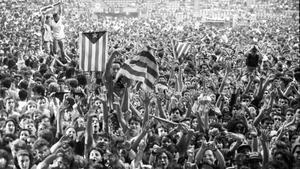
(232, 102)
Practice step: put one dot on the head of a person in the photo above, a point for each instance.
(246, 100)
(296, 150)
(30, 140)
(79, 123)
(95, 155)
(44, 120)
(4, 159)
(42, 102)
(41, 148)
(31, 126)
(24, 134)
(31, 105)
(10, 126)
(176, 115)
(284, 156)
(68, 114)
(23, 120)
(161, 131)
(23, 159)
(56, 17)
(277, 119)
(10, 104)
(17, 145)
(48, 19)
(209, 157)
(283, 101)
(115, 68)
(63, 161)
(23, 94)
(164, 159)
(244, 149)
(166, 141)
(3, 114)
(96, 124)
(71, 132)
(275, 164)
(267, 123)
(240, 128)
(289, 113)
(135, 125)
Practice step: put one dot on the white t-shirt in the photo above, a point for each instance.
(58, 30)
(47, 33)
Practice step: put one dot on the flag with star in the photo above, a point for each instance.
(93, 51)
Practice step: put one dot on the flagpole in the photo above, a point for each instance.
(173, 47)
(164, 120)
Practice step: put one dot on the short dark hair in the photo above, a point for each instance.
(39, 143)
(23, 84)
(55, 15)
(24, 130)
(46, 134)
(23, 94)
(175, 109)
(134, 118)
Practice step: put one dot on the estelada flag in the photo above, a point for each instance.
(93, 49)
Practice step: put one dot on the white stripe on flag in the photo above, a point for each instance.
(93, 56)
(180, 49)
(86, 54)
(141, 68)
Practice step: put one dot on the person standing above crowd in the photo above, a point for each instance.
(58, 34)
(47, 35)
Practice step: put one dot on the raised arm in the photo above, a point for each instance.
(249, 84)
(59, 118)
(140, 152)
(180, 80)
(200, 153)
(219, 156)
(258, 118)
(225, 78)
(160, 109)
(146, 98)
(145, 130)
(121, 117)
(134, 111)
(106, 74)
(105, 116)
(263, 139)
(89, 135)
(47, 162)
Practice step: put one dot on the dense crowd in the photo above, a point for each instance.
(233, 102)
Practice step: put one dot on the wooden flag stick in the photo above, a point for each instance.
(164, 120)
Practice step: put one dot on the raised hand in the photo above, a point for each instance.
(65, 139)
(265, 135)
(142, 145)
(145, 97)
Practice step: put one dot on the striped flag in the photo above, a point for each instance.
(180, 49)
(142, 68)
(93, 51)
